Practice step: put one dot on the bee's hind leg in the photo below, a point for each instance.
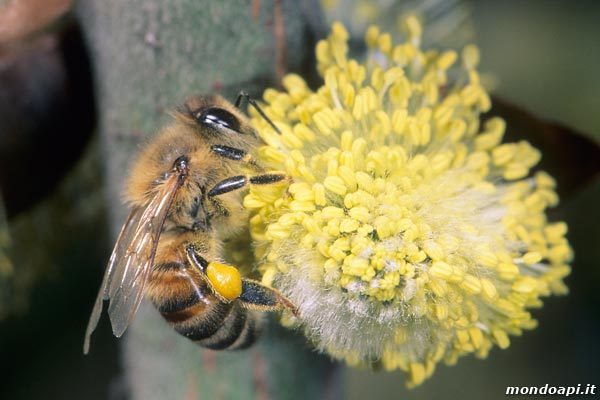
(257, 296)
(227, 283)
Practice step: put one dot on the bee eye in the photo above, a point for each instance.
(220, 118)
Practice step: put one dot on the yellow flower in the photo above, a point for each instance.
(410, 234)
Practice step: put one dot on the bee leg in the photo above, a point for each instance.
(224, 280)
(232, 153)
(227, 283)
(256, 296)
(238, 182)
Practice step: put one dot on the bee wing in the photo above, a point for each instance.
(131, 261)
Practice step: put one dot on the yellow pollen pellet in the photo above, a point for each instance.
(225, 279)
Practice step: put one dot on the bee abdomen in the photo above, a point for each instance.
(228, 332)
(196, 313)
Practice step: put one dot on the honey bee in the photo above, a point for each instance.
(185, 199)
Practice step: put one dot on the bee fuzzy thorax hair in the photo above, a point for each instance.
(158, 158)
(410, 234)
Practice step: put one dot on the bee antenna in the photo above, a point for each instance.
(254, 104)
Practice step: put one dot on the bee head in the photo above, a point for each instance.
(216, 117)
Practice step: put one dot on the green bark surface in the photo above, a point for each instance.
(148, 56)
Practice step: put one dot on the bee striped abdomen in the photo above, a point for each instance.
(187, 303)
